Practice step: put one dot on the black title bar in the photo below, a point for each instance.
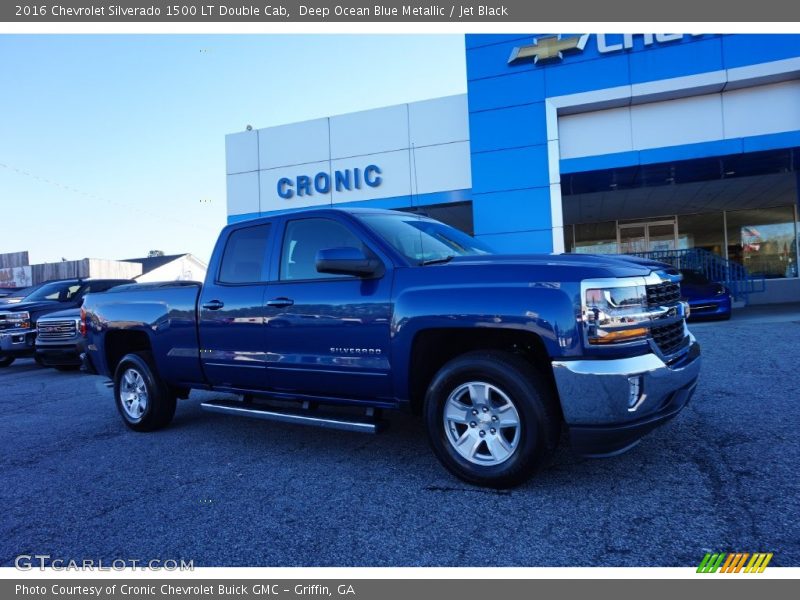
(316, 11)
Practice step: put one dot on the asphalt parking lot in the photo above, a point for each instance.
(225, 491)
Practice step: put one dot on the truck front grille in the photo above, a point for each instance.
(663, 294)
(4, 322)
(670, 338)
(56, 330)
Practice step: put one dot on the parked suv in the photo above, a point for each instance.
(18, 321)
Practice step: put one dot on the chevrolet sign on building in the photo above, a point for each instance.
(553, 47)
(549, 47)
(577, 142)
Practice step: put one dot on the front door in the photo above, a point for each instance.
(328, 335)
(661, 236)
(632, 238)
(647, 237)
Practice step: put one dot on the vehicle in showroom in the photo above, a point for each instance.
(59, 343)
(305, 313)
(708, 300)
(18, 321)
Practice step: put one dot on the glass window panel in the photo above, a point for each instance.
(632, 238)
(245, 252)
(596, 238)
(706, 231)
(661, 237)
(304, 238)
(455, 214)
(761, 240)
(569, 243)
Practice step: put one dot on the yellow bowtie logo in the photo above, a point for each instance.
(551, 47)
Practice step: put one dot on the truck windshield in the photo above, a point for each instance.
(423, 240)
(61, 291)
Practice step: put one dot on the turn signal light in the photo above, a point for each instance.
(82, 327)
(621, 335)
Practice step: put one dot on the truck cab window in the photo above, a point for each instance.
(304, 238)
(69, 293)
(245, 252)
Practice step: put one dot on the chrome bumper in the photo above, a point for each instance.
(609, 404)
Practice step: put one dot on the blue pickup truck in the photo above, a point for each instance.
(328, 316)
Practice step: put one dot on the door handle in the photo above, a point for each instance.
(213, 305)
(280, 302)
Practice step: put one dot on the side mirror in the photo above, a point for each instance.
(347, 261)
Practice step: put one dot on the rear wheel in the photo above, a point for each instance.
(490, 418)
(143, 400)
(5, 360)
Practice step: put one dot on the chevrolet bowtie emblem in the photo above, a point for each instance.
(547, 48)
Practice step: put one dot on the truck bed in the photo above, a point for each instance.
(166, 312)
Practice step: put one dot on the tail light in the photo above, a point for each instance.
(83, 323)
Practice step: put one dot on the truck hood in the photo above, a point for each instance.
(616, 265)
(70, 313)
(29, 306)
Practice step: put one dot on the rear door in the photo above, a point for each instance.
(231, 311)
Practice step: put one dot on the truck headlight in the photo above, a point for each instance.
(19, 320)
(616, 314)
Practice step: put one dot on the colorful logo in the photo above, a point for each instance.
(734, 562)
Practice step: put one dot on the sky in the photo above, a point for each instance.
(114, 145)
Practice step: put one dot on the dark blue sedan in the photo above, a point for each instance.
(707, 299)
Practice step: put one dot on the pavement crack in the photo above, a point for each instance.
(447, 489)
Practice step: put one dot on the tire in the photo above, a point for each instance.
(136, 383)
(505, 456)
(6, 361)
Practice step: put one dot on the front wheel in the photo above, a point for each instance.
(143, 400)
(5, 361)
(490, 418)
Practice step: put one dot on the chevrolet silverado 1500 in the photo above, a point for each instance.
(305, 313)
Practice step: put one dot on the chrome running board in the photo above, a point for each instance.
(305, 417)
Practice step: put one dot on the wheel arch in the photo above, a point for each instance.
(432, 348)
(118, 343)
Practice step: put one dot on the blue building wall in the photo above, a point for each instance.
(512, 174)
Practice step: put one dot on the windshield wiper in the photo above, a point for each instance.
(436, 261)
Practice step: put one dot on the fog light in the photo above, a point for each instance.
(635, 392)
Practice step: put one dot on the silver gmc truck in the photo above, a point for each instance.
(59, 342)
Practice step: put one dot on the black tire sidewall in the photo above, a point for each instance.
(6, 361)
(500, 370)
(158, 411)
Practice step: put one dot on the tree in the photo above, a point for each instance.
(155, 253)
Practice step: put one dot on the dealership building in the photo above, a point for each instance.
(602, 143)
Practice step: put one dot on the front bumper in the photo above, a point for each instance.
(718, 307)
(609, 405)
(62, 355)
(17, 342)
